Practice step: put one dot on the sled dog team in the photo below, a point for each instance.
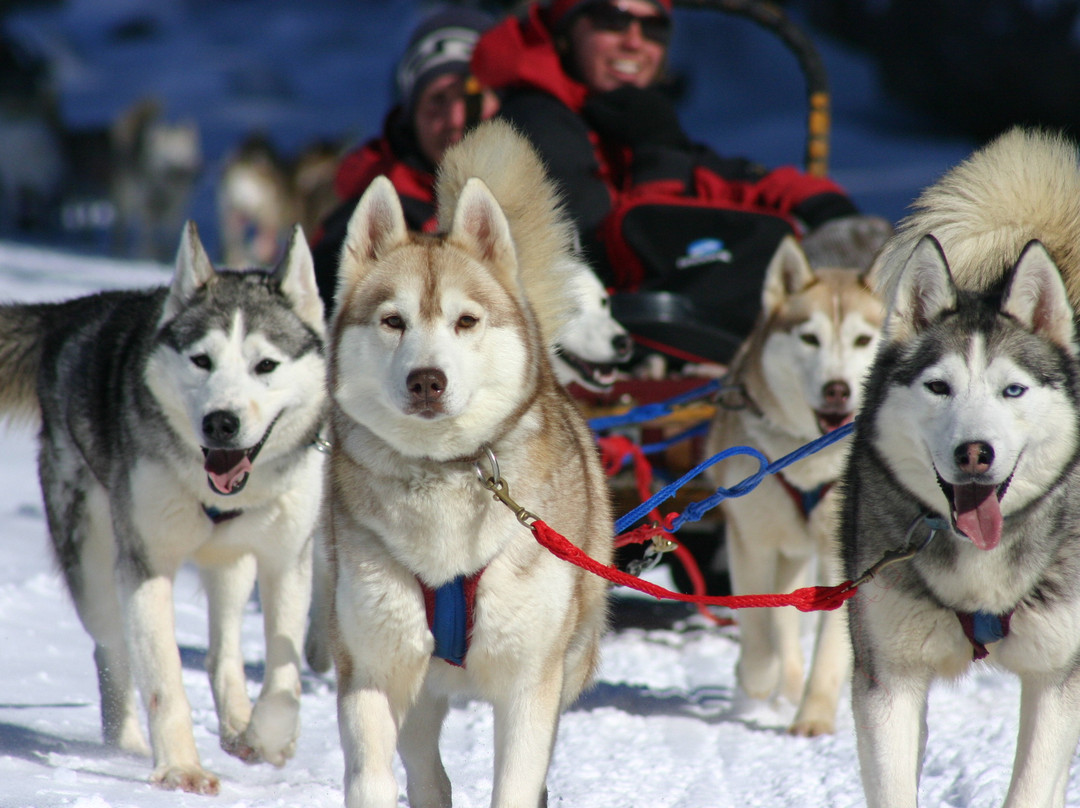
(202, 421)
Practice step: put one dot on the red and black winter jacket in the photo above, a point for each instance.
(602, 181)
(394, 155)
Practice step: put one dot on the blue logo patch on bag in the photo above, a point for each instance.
(703, 251)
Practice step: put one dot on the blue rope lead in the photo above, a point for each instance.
(662, 446)
(696, 510)
(649, 412)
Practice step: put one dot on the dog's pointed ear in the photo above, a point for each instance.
(788, 273)
(480, 228)
(1037, 298)
(193, 272)
(924, 291)
(295, 277)
(376, 227)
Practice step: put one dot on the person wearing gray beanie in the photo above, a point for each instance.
(441, 45)
(427, 119)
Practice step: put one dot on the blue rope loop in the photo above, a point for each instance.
(696, 510)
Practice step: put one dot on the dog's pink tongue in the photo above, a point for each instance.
(225, 467)
(978, 514)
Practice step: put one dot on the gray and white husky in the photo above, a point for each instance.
(180, 423)
(967, 453)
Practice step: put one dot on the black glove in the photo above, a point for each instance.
(635, 116)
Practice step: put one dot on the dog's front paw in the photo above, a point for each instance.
(238, 746)
(193, 779)
(271, 734)
(816, 716)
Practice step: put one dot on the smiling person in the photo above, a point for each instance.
(428, 118)
(584, 80)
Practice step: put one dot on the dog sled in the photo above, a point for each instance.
(677, 434)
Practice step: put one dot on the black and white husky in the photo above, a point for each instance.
(966, 452)
(181, 423)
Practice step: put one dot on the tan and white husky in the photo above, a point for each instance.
(439, 363)
(798, 376)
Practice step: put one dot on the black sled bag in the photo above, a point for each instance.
(689, 273)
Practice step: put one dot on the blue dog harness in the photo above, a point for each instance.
(805, 501)
(450, 610)
(217, 516)
(983, 628)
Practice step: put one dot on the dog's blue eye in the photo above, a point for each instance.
(394, 321)
(1014, 391)
(938, 387)
(201, 361)
(266, 366)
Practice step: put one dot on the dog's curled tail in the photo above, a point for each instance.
(543, 233)
(22, 336)
(1023, 185)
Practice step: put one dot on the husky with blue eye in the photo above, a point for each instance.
(966, 453)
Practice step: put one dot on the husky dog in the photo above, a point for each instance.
(155, 164)
(261, 195)
(592, 342)
(439, 366)
(797, 376)
(312, 180)
(255, 203)
(966, 453)
(180, 423)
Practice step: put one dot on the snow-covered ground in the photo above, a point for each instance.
(663, 728)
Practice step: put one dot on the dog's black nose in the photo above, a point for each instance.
(975, 457)
(425, 385)
(220, 426)
(836, 393)
(622, 345)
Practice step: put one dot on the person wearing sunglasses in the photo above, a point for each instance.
(585, 81)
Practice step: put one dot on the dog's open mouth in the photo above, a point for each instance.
(597, 375)
(227, 470)
(828, 421)
(976, 510)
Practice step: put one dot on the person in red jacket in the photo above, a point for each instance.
(428, 118)
(656, 213)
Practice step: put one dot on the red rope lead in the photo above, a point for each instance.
(809, 599)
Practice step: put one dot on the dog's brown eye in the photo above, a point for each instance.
(394, 321)
(467, 321)
(266, 366)
(201, 361)
(810, 339)
(938, 387)
(862, 340)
